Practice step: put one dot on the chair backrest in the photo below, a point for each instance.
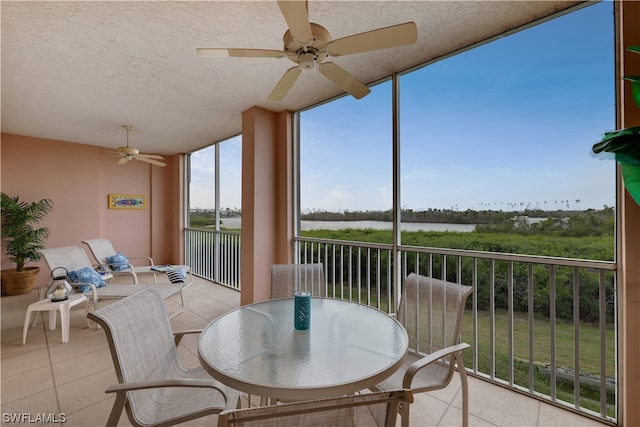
(431, 311)
(70, 257)
(287, 279)
(141, 342)
(100, 249)
(373, 409)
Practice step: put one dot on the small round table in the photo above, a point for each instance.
(349, 347)
(64, 307)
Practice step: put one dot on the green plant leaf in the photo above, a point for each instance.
(635, 88)
(631, 178)
(623, 158)
(624, 141)
(20, 238)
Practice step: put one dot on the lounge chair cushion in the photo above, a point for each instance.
(118, 262)
(86, 275)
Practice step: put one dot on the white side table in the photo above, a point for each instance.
(64, 307)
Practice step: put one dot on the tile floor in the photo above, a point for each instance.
(46, 376)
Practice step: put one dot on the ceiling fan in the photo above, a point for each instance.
(309, 45)
(128, 153)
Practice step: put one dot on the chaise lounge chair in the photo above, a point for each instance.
(118, 264)
(74, 259)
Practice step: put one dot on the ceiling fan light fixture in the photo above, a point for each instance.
(307, 60)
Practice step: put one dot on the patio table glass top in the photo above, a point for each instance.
(348, 347)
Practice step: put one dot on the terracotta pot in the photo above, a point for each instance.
(18, 282)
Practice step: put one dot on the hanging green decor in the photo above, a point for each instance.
(625, 144)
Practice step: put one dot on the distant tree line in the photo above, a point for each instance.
(572, 224)
(566, 223)
(450, 216)
(205, 218)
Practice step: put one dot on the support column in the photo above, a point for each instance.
(267, 226)
(629, 225)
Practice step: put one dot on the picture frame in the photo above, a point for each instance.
(127, 201)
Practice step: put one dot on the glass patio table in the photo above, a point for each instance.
(348, 347)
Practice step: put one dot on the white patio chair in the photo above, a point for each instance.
(74, 258)
(102, 249)
(373, 409)
(287, 279)
(153, 386)
(431, 311)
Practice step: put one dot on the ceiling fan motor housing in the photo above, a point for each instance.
(128, 151)
(307, 55)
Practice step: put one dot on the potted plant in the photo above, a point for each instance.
(624, 144)
(21, 241)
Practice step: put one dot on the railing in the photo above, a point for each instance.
(214, 255)
(542, 326)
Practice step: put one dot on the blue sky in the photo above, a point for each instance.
(504, 126)
(203, 172)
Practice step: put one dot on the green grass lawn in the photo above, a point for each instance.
(589, 350)
(589, 340)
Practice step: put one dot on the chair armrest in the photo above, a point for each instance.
(107, 267)
(179, 334)
(171, 382)
(146, 258)
(188, 331)
(129, 268)
(94, 292)
(76, 285)
(231, 398)
(428, 359)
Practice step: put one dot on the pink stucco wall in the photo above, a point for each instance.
(267, 200)
(78, 178)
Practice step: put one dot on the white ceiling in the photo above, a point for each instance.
(78, 70)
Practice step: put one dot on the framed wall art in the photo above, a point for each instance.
(127, 201)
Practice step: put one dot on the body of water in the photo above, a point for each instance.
(376, 225)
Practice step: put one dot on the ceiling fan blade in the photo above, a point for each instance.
(285, 84)
(148, 160)
(123, 161)
(296, 14)
(342, 78)
(245, 53)
(151, 156)
(382, 38)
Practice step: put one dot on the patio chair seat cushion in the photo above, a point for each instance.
(118, 262)
(86, 275)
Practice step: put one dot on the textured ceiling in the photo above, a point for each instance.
(78, 71)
